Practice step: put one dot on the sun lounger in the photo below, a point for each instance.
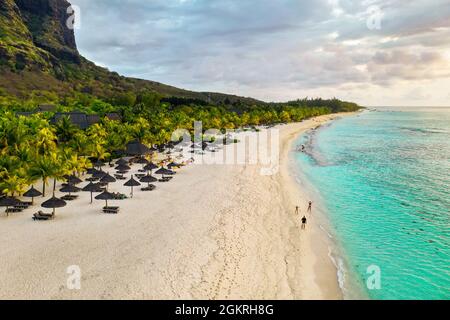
(45, 214)
(165, 179)
(21, 206)
(111, 208)
(119, 196)
(69, 198)
(40, 216)
(139, 175)
(141, 170)
(37, 217)
(13, 210)
(111, 211)
(149, 188)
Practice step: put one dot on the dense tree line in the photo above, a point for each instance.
(32, 149)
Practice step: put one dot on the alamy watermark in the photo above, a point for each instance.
(375, 16)
(74, 279)
(74, 19)
(373, 281)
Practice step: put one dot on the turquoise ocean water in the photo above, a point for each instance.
(382, 181)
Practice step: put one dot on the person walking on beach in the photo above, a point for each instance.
(304, 221)
(296, 210)
(310, 207)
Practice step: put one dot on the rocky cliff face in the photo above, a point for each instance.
(47, 22)
(34, 35)
(38, 54)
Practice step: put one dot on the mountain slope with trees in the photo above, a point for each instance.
(40, 64)
(39, 59)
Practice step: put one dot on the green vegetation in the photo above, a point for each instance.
(40, 64)
(31, 148)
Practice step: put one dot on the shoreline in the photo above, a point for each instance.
(323, 280)
(177, 242)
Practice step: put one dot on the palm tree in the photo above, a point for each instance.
(44, 167)
(12, 131)
(140, 129)
(97, 132)
(45, 141)
(24, 156)
(118, 135)
(83, 164)
(100, 152)
(73, 163)
(13, 185)
(65, 129)
(80, 143)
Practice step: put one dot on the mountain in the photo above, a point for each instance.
(38, 54)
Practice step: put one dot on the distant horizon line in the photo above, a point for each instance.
(403, 106)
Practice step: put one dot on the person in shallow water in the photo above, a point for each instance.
(301, 148)
(304, 221)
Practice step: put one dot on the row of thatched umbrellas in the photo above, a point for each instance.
(51, 203)
(105, 178)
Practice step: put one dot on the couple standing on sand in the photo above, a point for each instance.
(304, 219)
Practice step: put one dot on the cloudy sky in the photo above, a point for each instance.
(386, 52)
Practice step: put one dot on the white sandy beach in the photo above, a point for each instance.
(214, 232)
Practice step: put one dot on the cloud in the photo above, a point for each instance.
(271, 49)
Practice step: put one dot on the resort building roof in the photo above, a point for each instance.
(78, 118)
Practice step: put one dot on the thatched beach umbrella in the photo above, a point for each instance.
(122, 161)
(148, 179)
(93, 171)
(174, 165)
(8, 202)
(136, 148)
(99, 174)
(150, 167)
(53, 203)
(132, 183)
(69, 188)
(163, 171)
(142, 161)
(32, 193)
(99, 164)
(123, 167)
(73, 180)
(92, 187)
(107, 178)
(105, 196)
